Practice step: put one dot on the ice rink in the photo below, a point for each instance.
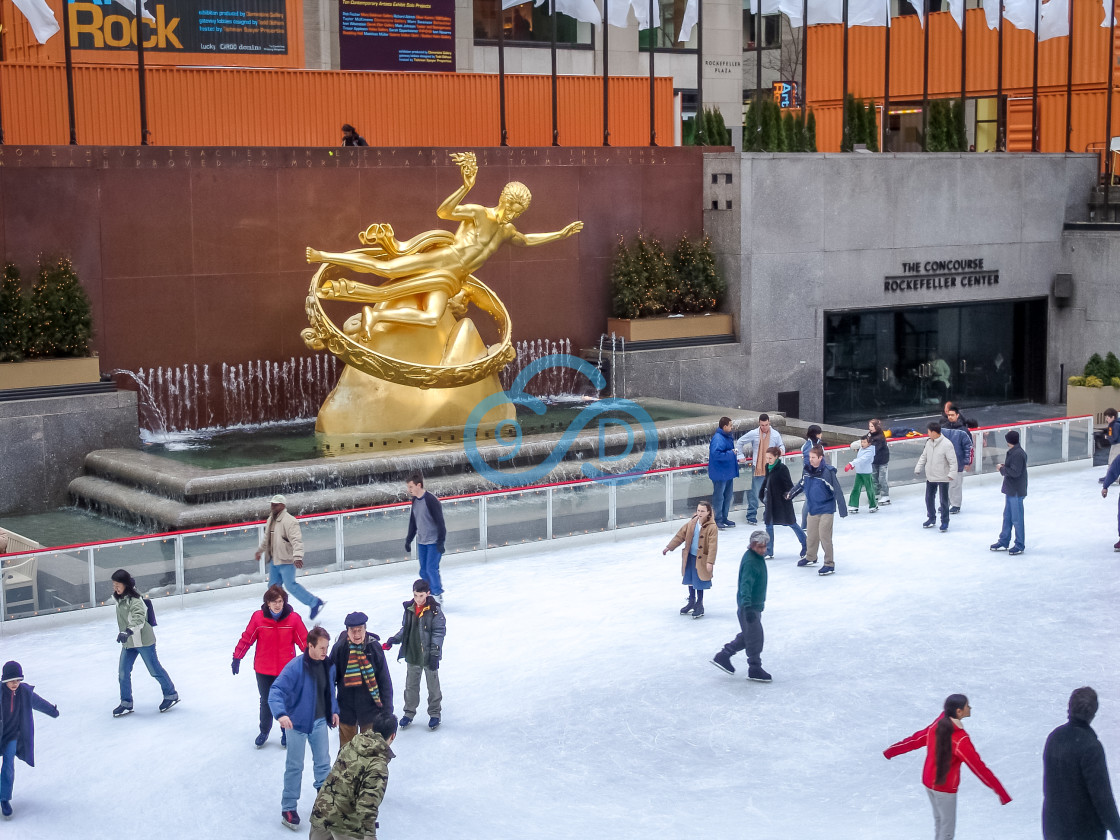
(578, 703)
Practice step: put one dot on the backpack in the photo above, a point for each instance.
(151, 611)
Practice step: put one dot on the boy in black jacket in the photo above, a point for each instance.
(421, 640)
(1014, 471)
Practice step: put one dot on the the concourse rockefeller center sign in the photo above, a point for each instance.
(942, 277)
(404, 35)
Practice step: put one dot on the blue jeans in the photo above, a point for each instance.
(285, 574)
(1013, 518)
(8, 771)
(796, 529)
(430, 556)
(722, 494)
(752, 496)
(124, 672)
(293, 764)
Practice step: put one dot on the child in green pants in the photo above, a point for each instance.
(862, 465)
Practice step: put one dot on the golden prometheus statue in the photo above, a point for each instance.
(414, 360)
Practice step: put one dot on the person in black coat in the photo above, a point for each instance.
(17, 728)
(779, 509)
(1014, 471)
(1077, 802)
(879, 478)
(365, 689)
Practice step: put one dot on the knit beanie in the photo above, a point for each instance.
(12, 671)
(1012, 437)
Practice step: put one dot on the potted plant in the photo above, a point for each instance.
(656, 297)
(1096, 389)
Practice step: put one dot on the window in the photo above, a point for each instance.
(665, 36)
(770, 34)
(527, 24)
(987, 121)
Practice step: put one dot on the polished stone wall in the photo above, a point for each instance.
(44, 442)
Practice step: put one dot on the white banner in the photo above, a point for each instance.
(1020, 13)
(991, 13)
(919, 7)
(956, 9)
(691, 15)
(826, 11)
(1108, 6)
(868, 13)
(131, 6)
(1055, 20)
(618, 13)
(40, 16)
(582, 10)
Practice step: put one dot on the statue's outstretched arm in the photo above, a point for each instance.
(469, 167)
(520, 238)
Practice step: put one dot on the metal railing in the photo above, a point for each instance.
(55, 580)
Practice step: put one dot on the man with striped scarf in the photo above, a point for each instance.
(365, 689)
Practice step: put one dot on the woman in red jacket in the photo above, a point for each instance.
(277, 630)
(947, 745)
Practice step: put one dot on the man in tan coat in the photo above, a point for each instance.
(282, 548)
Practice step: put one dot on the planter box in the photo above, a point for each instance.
(1082, 400)
(42, 373)
(682, 326)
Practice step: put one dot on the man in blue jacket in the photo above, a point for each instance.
(303, 702)
(723, 469)
(962, 445)
(822, 489)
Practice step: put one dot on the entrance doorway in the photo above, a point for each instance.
(906, 362)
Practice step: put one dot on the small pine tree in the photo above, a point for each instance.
(625, 284)
(799, 141)
(871, 127)
(811, 133)
(654, 273)
(851, 124)
(959, 131)
(59, 317)
(724, 135)
(789, 132)
(13, 316)
(751, 129)
(712, 287)
(773, 133)
(1095, 367)
(1111, 365)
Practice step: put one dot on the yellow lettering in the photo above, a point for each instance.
(151, 41)
(93, 28)
(166, 32)
(111, 38)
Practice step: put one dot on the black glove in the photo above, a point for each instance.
(235, 666)
(408, 547)
(433, 663)
(123, 636)
(439, 547)
(750, 617)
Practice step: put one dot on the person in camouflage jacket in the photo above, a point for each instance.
(347, 804)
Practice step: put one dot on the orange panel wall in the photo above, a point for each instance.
(255, 107)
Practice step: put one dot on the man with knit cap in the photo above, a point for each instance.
(17, 728)
(751, 599)
(1014, 471)
(282, 547)
(365, 690)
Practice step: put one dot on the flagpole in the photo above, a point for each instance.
(1001, 123)
(844, 127)
(804, 52)
(699, 72)
(139, 21)
(964, 54)
(886, 133)
(758, 51)
(555, 125)
(1108, 106)
(1034, 83)
(69, 73)
(652, 38)
(925, 78)
(502, 73)
(606, 76)
(1069, 82)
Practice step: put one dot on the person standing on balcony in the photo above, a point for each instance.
(137, 638)
(350, 136)
(723, 469)
(282, 547)
(751, 449)
(277, 630)
(426, 525)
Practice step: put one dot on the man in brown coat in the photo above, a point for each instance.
(282, 547)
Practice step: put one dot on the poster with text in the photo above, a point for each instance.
(397, 34)
(255, 27)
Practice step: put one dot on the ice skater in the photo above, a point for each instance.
(1014, 472)
(426, 525)
(137, 638)
(365, 690)
(421, 639)
(751, 600)
(1112, 434)
(947, 746)
(779, 509)
(282, 547)
(812, 439)
(17, 728)
(350, 798)
(1109, 479)
(940, 462)
(302, 701)
(822, 490)
(277, 631)
(723, 469)
(962, 448)
(862, 464)
(750, 449)
(879, 477)
(700, 538)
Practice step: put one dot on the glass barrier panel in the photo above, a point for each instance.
(581, 508)
(995, 448)
(216, 559)
(1079, 434)
(517, 517)
(1042, 442)
(641, 501)
(319, 552)
(904, 457)
(374, 537)
(48, 582)
(690, 487)
(461, 517)
(150, 562)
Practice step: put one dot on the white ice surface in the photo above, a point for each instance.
(578, 703)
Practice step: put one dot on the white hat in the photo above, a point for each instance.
(278, 500)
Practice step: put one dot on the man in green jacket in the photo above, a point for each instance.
(349, 799)
(751, 599)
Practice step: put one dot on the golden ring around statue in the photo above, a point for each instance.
(323, 334)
